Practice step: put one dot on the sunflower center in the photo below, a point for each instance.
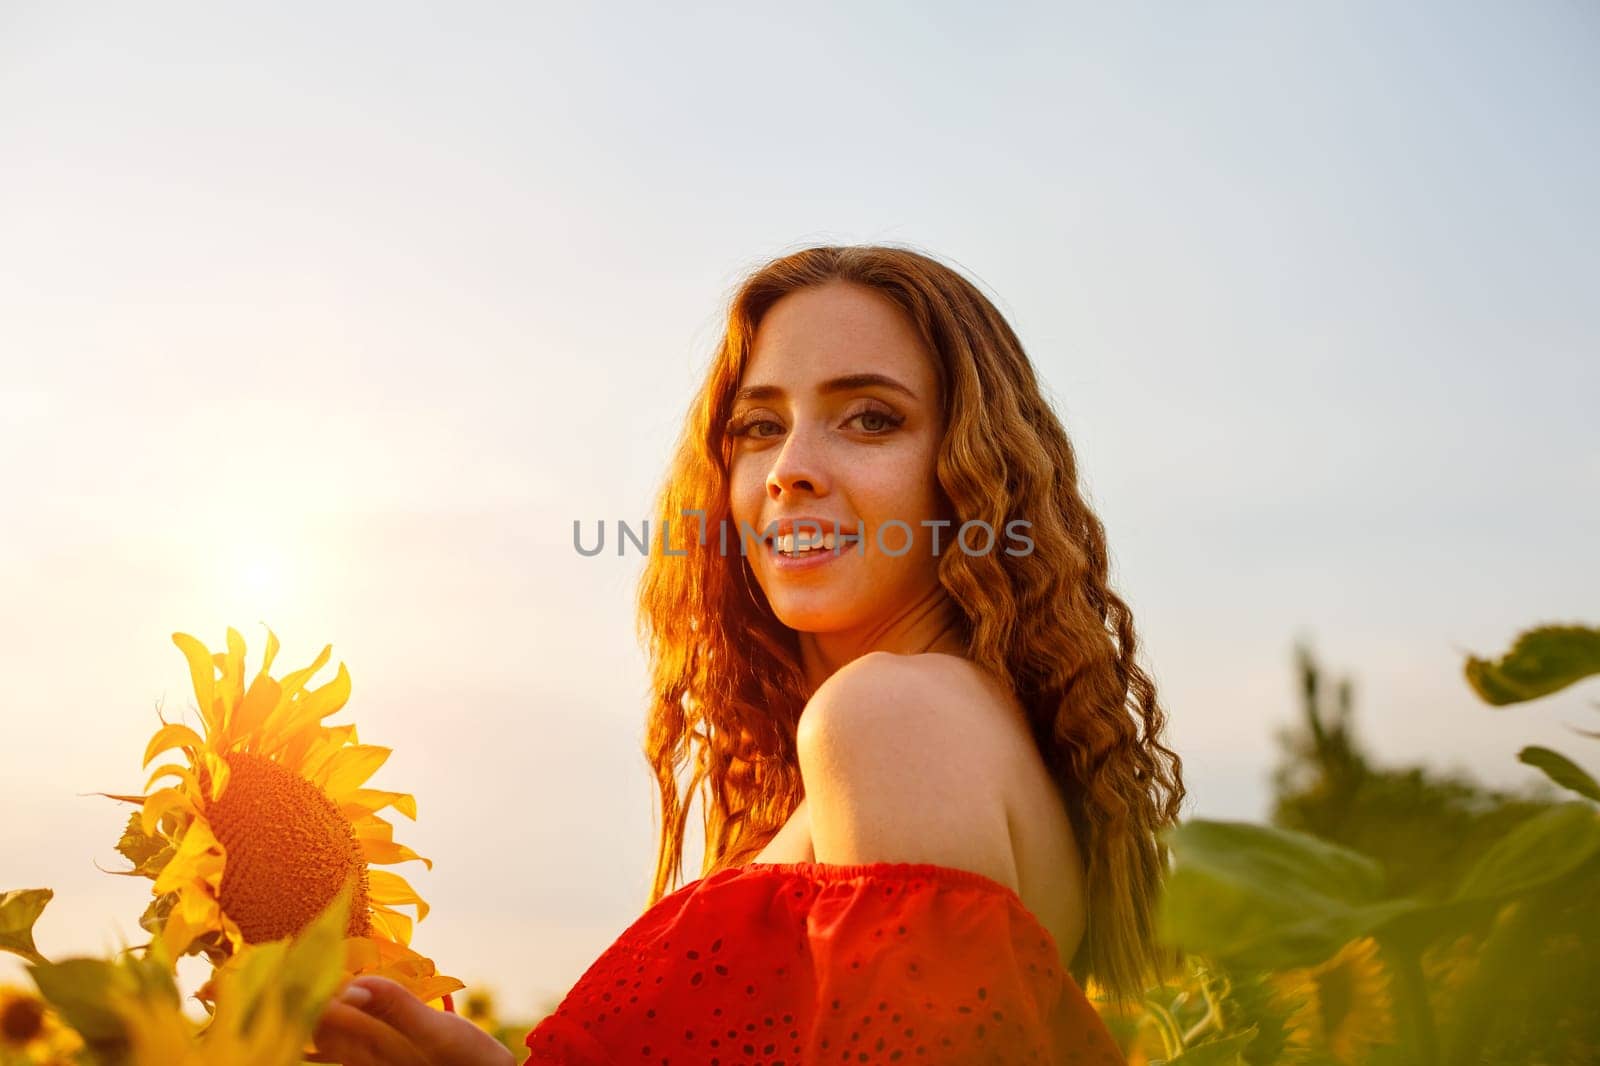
(21, 1020)
(289, 851)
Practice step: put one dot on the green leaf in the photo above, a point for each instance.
(154, 918)
(1227, 1051)
(1546, 847)
(19, 909)
(79, 989)
(1562, 770)
(1542, 661)
(149, 854)
(140, 848)
(1262, 897)
(1294, 862)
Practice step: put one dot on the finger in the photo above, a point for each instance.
(393, 1003)
(389, 1000)
(440, 1037)
(355, 1038)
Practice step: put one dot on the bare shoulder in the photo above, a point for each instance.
(905, 758)
(929, 758)
(885, 691)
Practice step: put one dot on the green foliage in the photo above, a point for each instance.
(267, 1001)
(1546, 847)
(1257, 897)
(1542, 661)
(1484, 904)
(1241, 1002)
(1562, 770)
(1425, 829)
(149, 854)
(19, 910)
(81, 992)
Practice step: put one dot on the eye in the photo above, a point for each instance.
(876, 421)
(742, 427)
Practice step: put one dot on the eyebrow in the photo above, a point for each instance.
(847, 383)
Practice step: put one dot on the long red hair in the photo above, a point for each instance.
(726, 684)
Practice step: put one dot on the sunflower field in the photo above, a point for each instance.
(1384, 916)
(1396, 917)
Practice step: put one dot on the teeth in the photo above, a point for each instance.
(789, 543)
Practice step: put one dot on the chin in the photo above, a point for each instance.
(805, 614)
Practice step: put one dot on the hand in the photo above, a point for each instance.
(376, 1022)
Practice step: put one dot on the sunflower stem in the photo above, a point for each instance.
(1199, 1028)
(1505, 950)
(1167, 1026)
(1212, 1018)
(1412, 1011)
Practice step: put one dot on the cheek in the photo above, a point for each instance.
(905, 488)
(746, 487)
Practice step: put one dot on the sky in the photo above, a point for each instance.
(335, 319)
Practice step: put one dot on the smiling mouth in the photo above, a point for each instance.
(800, 545)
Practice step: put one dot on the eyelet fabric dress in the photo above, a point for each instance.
(794, 964)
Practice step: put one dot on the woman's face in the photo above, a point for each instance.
(837, 419)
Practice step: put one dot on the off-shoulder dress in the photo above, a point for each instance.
(794, 964)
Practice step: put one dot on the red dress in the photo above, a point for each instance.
(790, 964)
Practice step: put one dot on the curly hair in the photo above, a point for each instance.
(727, 688)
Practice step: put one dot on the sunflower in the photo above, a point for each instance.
(1341, 1007)
(30, 1032)
(267, 820)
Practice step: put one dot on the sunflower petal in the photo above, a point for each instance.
(171, 769)
(120, 799)
(431, 988)
(376, 837)
(387, 853)
(349, 769)
(386, 887)
(270, 654)
(198, 909)
(292, 683)
(201, 670)
(392, 924)
(373, 828)
(371, 800)
(177, 935)
(172, 735)
(193, 864)
(400, 963)
(361, 954)
(340, 735)
(257, 704)
(232, 677)
(158, 804)
(220, 772)
(317, 705)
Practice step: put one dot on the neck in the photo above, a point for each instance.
(930, 623)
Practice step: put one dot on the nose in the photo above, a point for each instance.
(797, 468)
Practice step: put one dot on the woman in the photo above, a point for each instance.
(882, 637)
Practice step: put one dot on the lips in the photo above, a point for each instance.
(808, 525)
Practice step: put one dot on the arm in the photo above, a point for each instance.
(902, 764)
